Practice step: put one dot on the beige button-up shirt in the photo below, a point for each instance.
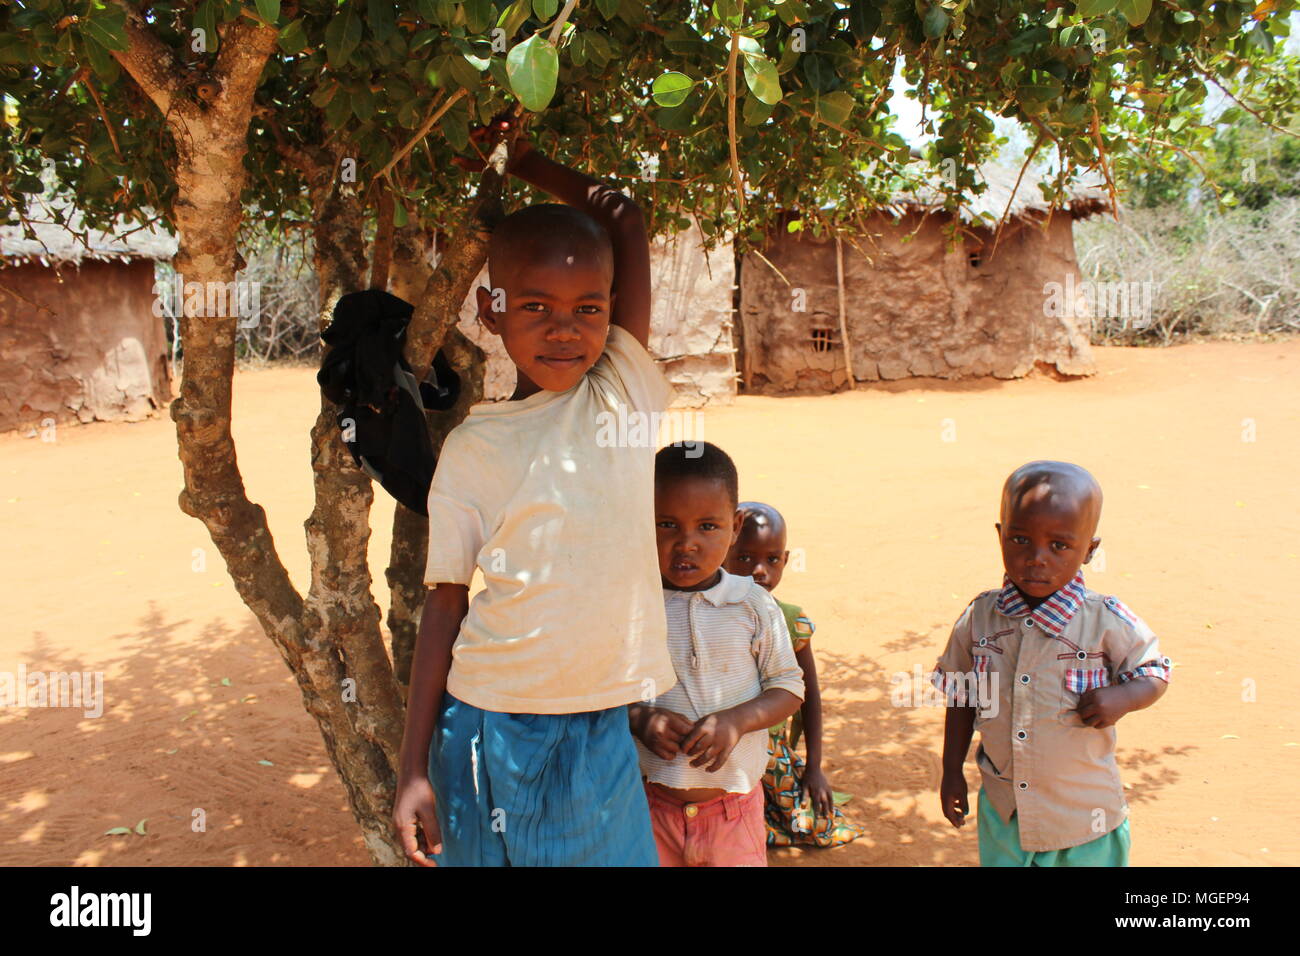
(1024, 671)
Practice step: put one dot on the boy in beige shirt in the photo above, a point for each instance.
(516, 749)
(1044, 668)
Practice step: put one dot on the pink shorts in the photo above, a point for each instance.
(724, 831)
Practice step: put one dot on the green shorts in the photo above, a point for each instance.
(1000, 844)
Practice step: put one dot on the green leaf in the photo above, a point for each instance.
(363, 103)
(1096, 8)
(819, 72)
(727, 11)
(1135, 11)
(607, 8)
(266, 763)
(342, 36)
(205, 19)
(514, 16)
(755, 112)
(533, 67)
(108, 28)
(29, 184)
(102, 62)
(455, 126)
(864, 20)
(139, 827)
(762, 79)
(225, 682)
(936, 22)
(545, 9)
(464, 72)
(269, 10)
(671, 89)
(381, 18)
(834, 107)
(839, 799)
(400, 218)
(478, 15)
(293, 38)
(118, 831)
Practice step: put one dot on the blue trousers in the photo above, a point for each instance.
(538, 789)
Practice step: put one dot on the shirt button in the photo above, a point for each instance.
(692, 809)
(1024, 785)
(1021, 735)
(1024, 678)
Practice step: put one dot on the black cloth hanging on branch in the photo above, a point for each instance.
(381, 405)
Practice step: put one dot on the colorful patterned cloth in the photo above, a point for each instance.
(788, 812)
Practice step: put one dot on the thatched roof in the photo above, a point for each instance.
(1083, 200)
(56, 244)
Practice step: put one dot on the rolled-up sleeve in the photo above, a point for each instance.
(1133, 645)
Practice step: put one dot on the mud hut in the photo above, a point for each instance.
(692, 301)
(78, 333)
(898, 300)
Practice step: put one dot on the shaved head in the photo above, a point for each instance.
(1058, 485)
(760, 516)
(546, 232)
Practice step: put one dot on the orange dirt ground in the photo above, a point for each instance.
(1201, 531)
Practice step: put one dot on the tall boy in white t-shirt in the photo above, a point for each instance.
(516, 749)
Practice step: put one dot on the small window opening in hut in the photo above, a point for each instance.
(822, 340)
(976, 258)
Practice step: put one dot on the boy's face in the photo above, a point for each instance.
(695, 522)
(1045, 539)
(760, 553)
(555, 320)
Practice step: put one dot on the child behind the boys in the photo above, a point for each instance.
(1044, 668)
(799, 804)
(517, 715)
(703, 743)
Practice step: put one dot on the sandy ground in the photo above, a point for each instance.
(891, 492)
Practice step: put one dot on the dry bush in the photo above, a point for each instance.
(1233, 273)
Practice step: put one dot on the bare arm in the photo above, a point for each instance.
(415, 815)
(445, 607)
(622, 219)
(958, 728)
(812, 707)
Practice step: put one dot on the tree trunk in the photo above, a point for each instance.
(331, 641)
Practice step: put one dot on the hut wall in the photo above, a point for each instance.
(97, 354)
(913, 308)
(690, 322)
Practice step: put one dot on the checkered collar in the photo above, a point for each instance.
(1054, 614)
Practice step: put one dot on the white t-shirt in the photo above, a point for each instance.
(541, 497)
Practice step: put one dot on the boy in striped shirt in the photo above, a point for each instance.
(1044, 668)
(703, 742)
